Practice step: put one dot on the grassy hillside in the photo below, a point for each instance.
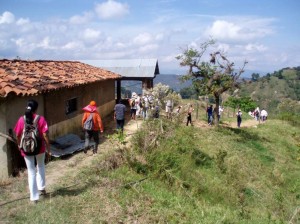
(275, 89)
(171, 173)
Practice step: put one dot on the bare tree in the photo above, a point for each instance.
(215, 76)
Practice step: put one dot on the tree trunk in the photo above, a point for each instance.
(216, 110)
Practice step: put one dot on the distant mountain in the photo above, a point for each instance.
(173, 81)
(248, 73)
(274, 89)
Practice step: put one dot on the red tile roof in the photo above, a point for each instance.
(34, 77)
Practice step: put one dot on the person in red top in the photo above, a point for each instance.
(36, 173)
(97, 126)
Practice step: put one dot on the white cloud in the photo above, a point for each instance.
(244, 29)
(81, 19)
(74, 45)
(169, 58)
(85, 36)
(111, 9)
(120, 45)
(224, 30)
(159, 37)
(22, 21)
(148, 48)
(256, 47)
(7, 17)
(143, 38)
(223, 47)
(45, 44)
(193, 45)
(20, 42)
(91, 34)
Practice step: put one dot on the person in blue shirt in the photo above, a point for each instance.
(210, 112)
(119, 115)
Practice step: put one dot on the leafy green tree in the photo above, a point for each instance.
(188, 93)
(163, 92)
(232, 102)
(215, 76)
(254, 77)
(247, 104)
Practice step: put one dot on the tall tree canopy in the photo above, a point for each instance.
(215, 76)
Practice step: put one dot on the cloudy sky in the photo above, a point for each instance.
(266, 33)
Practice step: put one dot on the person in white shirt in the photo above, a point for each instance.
(220, 112)
(264, 114)
(169, 108)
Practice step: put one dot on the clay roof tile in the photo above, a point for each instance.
(34, 77)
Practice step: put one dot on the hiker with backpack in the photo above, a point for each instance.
(133, 108)
(92, 125)
(32, 137)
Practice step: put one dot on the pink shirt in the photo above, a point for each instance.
(42, 126)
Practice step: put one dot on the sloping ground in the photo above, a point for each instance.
(57, 170)
(69, 166)
(78, 160)
(62, 182)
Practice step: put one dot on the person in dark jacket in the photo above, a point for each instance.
(119, 115)
(239, 118)
(210, 112)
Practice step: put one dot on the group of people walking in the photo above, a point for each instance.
(144, 106)
(31, 131)
(35, 160)
(259, 115)
(210, 114)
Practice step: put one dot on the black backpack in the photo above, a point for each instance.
(31, 141)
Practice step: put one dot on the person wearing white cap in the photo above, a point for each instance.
(239, 118)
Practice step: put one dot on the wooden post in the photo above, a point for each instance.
(118, 90)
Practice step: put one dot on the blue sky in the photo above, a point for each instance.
(266, 33)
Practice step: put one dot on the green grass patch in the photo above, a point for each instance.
(178, 174)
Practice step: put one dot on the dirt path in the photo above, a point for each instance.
(69, 166)
(58, 170)
(245, 124)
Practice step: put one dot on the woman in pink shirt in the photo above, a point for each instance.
(36, 175)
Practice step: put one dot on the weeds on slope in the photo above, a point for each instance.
(170, 173)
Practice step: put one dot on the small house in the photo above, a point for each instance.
(144, 70)
(62, 89)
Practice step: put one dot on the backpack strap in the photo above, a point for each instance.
(36, 119)
(91, 116)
